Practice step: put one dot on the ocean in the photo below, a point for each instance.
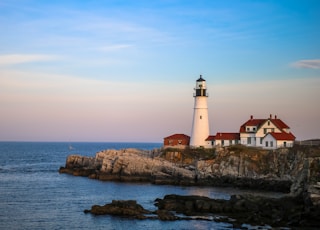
(33, 195)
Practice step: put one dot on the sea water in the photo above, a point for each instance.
(33, 195)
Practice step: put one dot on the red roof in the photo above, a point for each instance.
(210, 138)
(258, 122)
(227, 136)
(279, 123)
(178, 136)
(251, 122)
(283, 136)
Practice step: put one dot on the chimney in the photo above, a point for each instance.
(270, 116)
(251, 117)
(275, 116)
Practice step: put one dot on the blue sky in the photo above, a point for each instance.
(125, 70)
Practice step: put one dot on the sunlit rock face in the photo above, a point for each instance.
(128, 163)
(287, 170)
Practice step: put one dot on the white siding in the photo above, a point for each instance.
(269, 142)
(244, 139)
(267, 127)
(284, 143)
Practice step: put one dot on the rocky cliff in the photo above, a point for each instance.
(127, 165)
(294, 170)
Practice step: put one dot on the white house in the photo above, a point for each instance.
(226, 139)
(278, 140)
(268, 133)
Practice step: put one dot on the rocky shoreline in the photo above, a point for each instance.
(228, 168)
(287, 211)
(293, 171)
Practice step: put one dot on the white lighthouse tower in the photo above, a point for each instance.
(200, 124)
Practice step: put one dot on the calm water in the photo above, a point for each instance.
(33, 195)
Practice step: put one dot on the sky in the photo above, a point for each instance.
(125, 71)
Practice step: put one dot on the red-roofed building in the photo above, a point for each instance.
(211, 141)
(278, 140)
(226, 139)
(254, 132)
(180, 141)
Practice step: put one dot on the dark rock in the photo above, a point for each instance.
(166, 215)
(126, 208)
(285, 211)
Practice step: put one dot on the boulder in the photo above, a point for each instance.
(126, 208)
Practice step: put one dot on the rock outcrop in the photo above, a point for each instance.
(287, 211)
(125, 208)
(295, 170)
(127, 165)
(278, 170)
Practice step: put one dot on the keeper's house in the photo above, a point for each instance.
(268, 133)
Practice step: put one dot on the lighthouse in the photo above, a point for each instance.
(200, 123)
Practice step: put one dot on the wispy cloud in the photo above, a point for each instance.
(307, 64)
(115, 47)
(12, 59)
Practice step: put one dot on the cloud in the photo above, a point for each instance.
(115, 47)
(307, 64)
(12, 59)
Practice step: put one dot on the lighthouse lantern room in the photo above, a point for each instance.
(200, 124)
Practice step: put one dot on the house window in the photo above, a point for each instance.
(271, 143)
(264, 130)
(248, 129)
(261, 141)
(267, 143)
(254, 128)
(268, 122)
(222, 142)
(285, 144)
(200, 117)
(236, 141)
(249, 140)
(170, 142)
(230, 142)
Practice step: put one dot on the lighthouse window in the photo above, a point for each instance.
(200, 117)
